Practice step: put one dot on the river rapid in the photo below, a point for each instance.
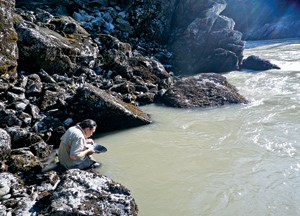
(231, 160)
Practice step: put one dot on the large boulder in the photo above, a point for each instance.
(8, 37)
(64, 53)
(204, 90)
(74, 192)
(208, 43)
(253, 62)
(108, 111)
(86, 193)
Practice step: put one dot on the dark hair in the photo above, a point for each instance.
(88, 123)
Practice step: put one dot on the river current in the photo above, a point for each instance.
(231, 160)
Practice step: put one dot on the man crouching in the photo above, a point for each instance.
(72, 152)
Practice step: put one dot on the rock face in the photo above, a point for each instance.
(207, 41)
(74, 192)
(8, 38)
(108, 111)
(204, 90)
(189, 36)
(53, 52)
(259, 20)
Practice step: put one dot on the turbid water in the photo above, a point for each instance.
(231, 160)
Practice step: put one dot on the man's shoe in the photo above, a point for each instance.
(95, 165)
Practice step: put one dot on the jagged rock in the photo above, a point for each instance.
(41, 149)
(19, 200)
(23, 160)
(197, 48)
(8, 45)
(256, 63)
(8, 118)
(21, 137)
(34, 84)
(5, 143)
(53, 52)
(110, 112)
(205, 90)
(10, 186)
(81, 192)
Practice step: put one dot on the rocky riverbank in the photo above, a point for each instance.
(64, 61)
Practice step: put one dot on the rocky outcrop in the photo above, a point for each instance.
(208, 42)
(187, 36)
(256, 63)
(42, 47)
(8, 38)
(108, 111)
(87, 193)
(71, 193)
(204, 90)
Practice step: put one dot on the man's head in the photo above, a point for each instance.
(89, 126)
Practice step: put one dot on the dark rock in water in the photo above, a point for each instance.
(205, 90)
(256, 63)
(110, 112)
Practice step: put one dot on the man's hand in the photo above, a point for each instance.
(90, 141)
(90, 152)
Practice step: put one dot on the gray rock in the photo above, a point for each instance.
(256, 63)
(8, 45)
(51, 51)
(204, 90)
(5, 141)
(91, 194)
(110, 112)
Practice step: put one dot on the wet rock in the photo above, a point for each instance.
(205, 90)
(110, 112)
(256, 63)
